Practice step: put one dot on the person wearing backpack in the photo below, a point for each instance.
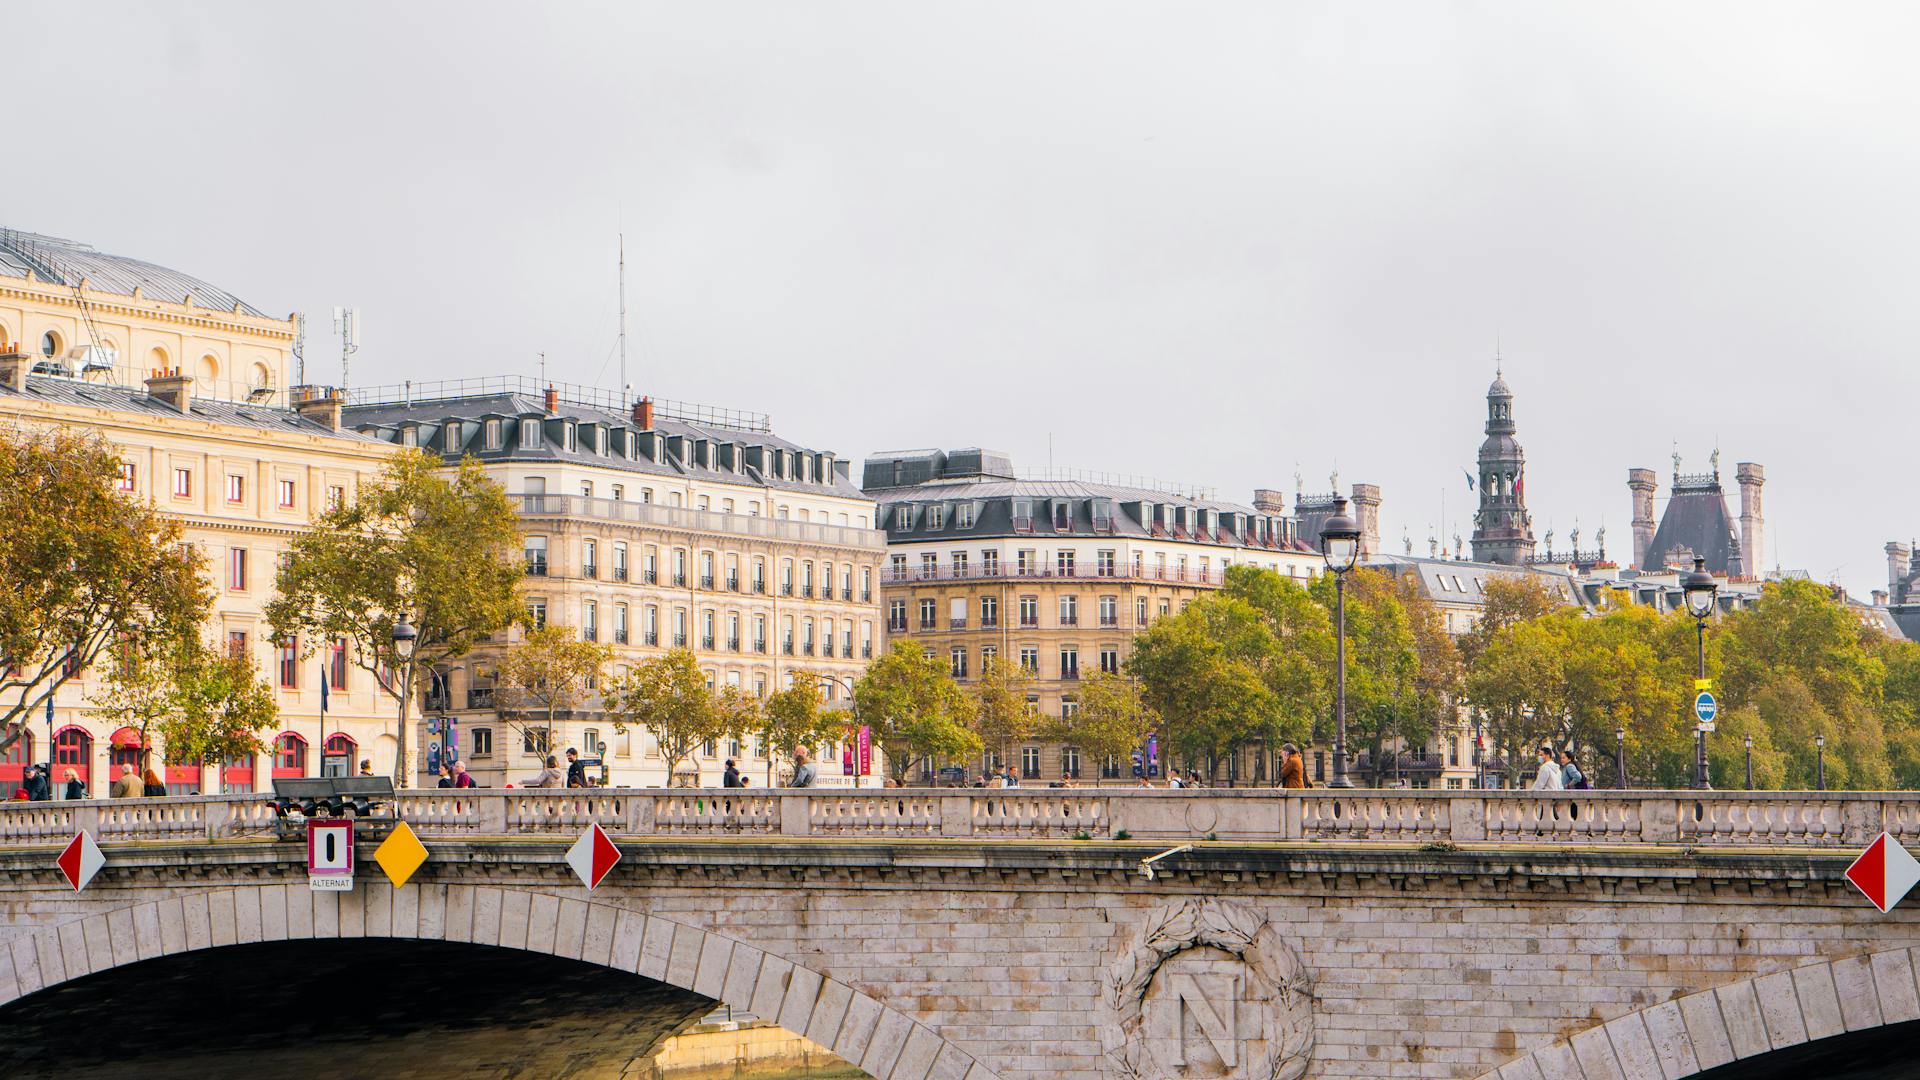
(1571, 777)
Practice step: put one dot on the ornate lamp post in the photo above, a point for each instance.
(1819, 763)
(1620, 758)
(1749, 741)
(1479, 750)
(1340, 546)
(404, 639)
(1700, 589)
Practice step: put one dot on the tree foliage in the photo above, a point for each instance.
(550, 668)
(82, 566)
(668, 698)
(793, 718)
(202, 702)
(915, 709)
(440, 548)
(1113, 719)
(1002, 715)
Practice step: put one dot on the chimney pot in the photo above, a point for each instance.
(643, 414)
(320, 404)
(173, 390)
(553, 401)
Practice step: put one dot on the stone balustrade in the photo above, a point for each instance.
(1725, 819)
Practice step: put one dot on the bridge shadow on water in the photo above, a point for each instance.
(393, 1009)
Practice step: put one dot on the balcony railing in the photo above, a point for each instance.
(1210, 578)
(679, 641)
(760, 587)
(806, 649)
(590, 570)
(590, 633)
(619, 637)
(653, 577)
(537, 567)
(706, 643)
(846, 594)
(619, 573)
(989, 622)
(653, 637)
(866, 650)
(956, 624)
(733, 644)
(846, 651)
(760, 646)
(680, 580)
(479, 697)
(896, 628)
(733, 582)
(1069, 620)
(683, 519)
(706, 581)
(786, 588)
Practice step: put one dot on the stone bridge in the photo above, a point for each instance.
(928, 935)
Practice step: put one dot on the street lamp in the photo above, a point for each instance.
(1700, 589)
(1749, 742)
(1620, 758)
(1340, 547)
(404, 639)
(1479, 749)
(1819, 763)
(854, 698)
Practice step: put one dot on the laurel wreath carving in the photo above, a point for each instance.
(1272, 964)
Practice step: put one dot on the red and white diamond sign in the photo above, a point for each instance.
(80, 860)
(1884, 872)
(593, 855)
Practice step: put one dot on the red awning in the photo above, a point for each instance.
(126, 739)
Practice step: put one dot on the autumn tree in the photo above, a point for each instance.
(82, 567)
(668, 698)
(1002, 715)
(1508, 601)
(221, 706)
(1385, 707)
(1113, 719)
(550, 668)
(439, 548)
(915, 709)
(792, 718)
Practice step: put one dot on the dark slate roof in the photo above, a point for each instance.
(384, 421)
(1438, 577)
(65, 262)
(1696, 518)
(993, 505)
(129, 400)
(1907, 618)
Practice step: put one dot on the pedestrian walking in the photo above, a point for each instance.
(153, 786)
(731, 777)
(1293, 768)
(576, 769)
(804, 774)
(446, 777)
(550, 777)
(366, 766)
(127, 786)
(461, 779)
(75, 789)
(1571, 777)
(39, 783)
(1550, 777)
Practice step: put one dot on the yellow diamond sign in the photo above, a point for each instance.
(400, 854)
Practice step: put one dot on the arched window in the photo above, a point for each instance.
(337, 758)
(50, 344)
(73, 748)
(261, 378)
(210, 370)
(125, 748)
(158, 360)
(289, 756)
(13, 763)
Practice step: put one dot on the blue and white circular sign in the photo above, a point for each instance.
(1705, 707)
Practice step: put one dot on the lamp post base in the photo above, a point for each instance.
(1340, 782)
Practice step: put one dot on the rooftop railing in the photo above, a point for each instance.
(428, 392)
(1684, 819)
(683, 519)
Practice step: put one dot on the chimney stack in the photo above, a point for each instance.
(172, 389)
(15, 365)
(1366, 511)
(643, 414)
(553, 401)
(1753, 520)
(320, 404)
(1879, 598)
(1643, 483)
(1897, 571)
(1270, 502)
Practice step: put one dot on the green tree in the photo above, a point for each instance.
(1204, 672)
(1002, 715)
(1113, 719)
(82, 566)
(1508, 601)
(668, 698)
(547, 670)
(915, 709)
(437, 548)
(1384, 700)
(222, 706)
(1900, 692)
(793, 718)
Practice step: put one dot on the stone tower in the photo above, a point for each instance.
(1502, 528)
(1366, 513)
(1897, 572)
(1753, 521)
(1643, 483)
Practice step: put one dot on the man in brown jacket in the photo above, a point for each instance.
(129, 785)
(1293, 769)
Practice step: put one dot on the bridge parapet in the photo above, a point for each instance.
(1690, 818)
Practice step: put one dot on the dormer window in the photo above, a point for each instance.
(452, 438)
(626, 444)
(936, 517)
(492, 429)
(529, 434)
(963, 516)
(409, 436)
(568, 436)
(902, 518)
(708, 451)
(599, 440)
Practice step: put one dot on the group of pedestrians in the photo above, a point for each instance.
(1559, 772)
(36, 785)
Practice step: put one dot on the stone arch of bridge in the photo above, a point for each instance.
(882, 1041)
(1780, 1015)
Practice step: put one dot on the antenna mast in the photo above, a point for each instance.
(626, 392)
(299, 349)
(346, 323)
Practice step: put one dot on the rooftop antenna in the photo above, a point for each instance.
(543, 369)
(626, 391)
(346, 323)
(300, 349)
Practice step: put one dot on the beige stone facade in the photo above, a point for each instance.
(648, 528)
(242, 481)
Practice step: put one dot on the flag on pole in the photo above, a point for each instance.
(323, 688)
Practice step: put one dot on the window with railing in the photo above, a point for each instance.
(535, 550)
(989, 612)
(1029, 611)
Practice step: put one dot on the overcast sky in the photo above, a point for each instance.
(1207, 242)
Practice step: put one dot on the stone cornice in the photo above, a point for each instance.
(161, 311)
